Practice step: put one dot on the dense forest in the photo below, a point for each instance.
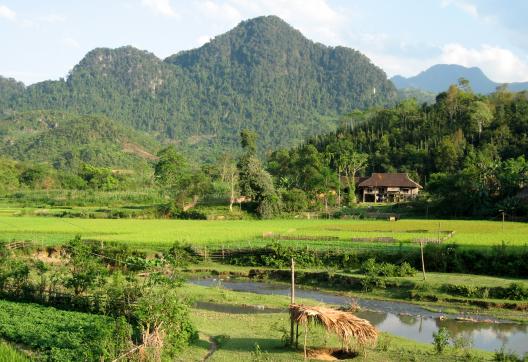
(263, 75)
(468, 150)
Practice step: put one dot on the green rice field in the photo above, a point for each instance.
(246, 233)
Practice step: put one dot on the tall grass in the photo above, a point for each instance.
(10, 354)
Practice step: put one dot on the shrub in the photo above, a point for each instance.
(370, 267)
(441, 340)
(504, 356)
(180, 255)
(294, 200)
(162, 309)
(516, 291)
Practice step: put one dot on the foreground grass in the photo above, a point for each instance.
(152, 233)
(10, 354)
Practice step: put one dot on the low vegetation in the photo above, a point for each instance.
(10, 354)
(104, 308)
(63, 335)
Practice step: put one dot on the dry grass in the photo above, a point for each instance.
(345, 325)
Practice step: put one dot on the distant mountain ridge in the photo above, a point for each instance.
(262, 75)
(439, 77)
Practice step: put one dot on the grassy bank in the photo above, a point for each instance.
(431, 294)
(259, 337)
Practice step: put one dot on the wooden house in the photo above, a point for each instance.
(388, 187)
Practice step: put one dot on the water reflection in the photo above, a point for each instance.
(402, 319)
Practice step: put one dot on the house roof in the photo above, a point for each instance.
(389, 180)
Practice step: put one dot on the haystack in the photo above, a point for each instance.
(344, 324)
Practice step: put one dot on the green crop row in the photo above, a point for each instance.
(62, 335)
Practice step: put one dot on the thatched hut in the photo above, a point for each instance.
(344, 324)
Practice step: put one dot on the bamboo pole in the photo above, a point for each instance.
(297, 336)
(305, 338)
(292, 298)
(422, 255)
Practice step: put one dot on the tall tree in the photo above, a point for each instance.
(255, 182)
(183, 183)
(353, 162)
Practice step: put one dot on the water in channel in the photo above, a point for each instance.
(397, 318)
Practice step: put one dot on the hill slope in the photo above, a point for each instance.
(439, 77)
(66, 140)
(263, 75)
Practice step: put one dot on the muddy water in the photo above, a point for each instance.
(401, 319)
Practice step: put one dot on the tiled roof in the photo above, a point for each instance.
(389, 180)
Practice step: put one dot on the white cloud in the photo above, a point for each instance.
(162, 7)
(400, 65)
(70, 43)
(468, 8)
(500, 64)
(314, 18)
(7, 13)
(53, 18)
(225, 11)
(202, 39)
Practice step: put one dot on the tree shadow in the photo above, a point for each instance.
(274, 345)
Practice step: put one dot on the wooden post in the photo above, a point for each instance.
(297, 336)
(305, 338)
(292, 281)
(292, 298)
(205, 253)
(438, 233)
(223, 254)
(422, 254)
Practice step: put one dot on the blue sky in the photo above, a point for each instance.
(44, 39)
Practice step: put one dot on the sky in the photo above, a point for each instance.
(44, 39)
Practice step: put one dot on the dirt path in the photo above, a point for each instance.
(213, 346)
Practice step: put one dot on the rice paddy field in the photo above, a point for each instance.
(156, 233)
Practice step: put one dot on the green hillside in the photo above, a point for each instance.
(467, 150)
(262, 75)
(66, 140)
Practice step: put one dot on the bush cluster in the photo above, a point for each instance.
(370, 267)
(500, 260)
(515, 291)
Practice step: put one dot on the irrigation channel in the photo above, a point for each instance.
(397, 318)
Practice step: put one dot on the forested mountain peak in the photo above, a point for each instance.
(127, 67)
(263, 39)
(262, 75)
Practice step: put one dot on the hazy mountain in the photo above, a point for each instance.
(439, 77)
(263, 75)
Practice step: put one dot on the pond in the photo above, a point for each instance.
(397, 318)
